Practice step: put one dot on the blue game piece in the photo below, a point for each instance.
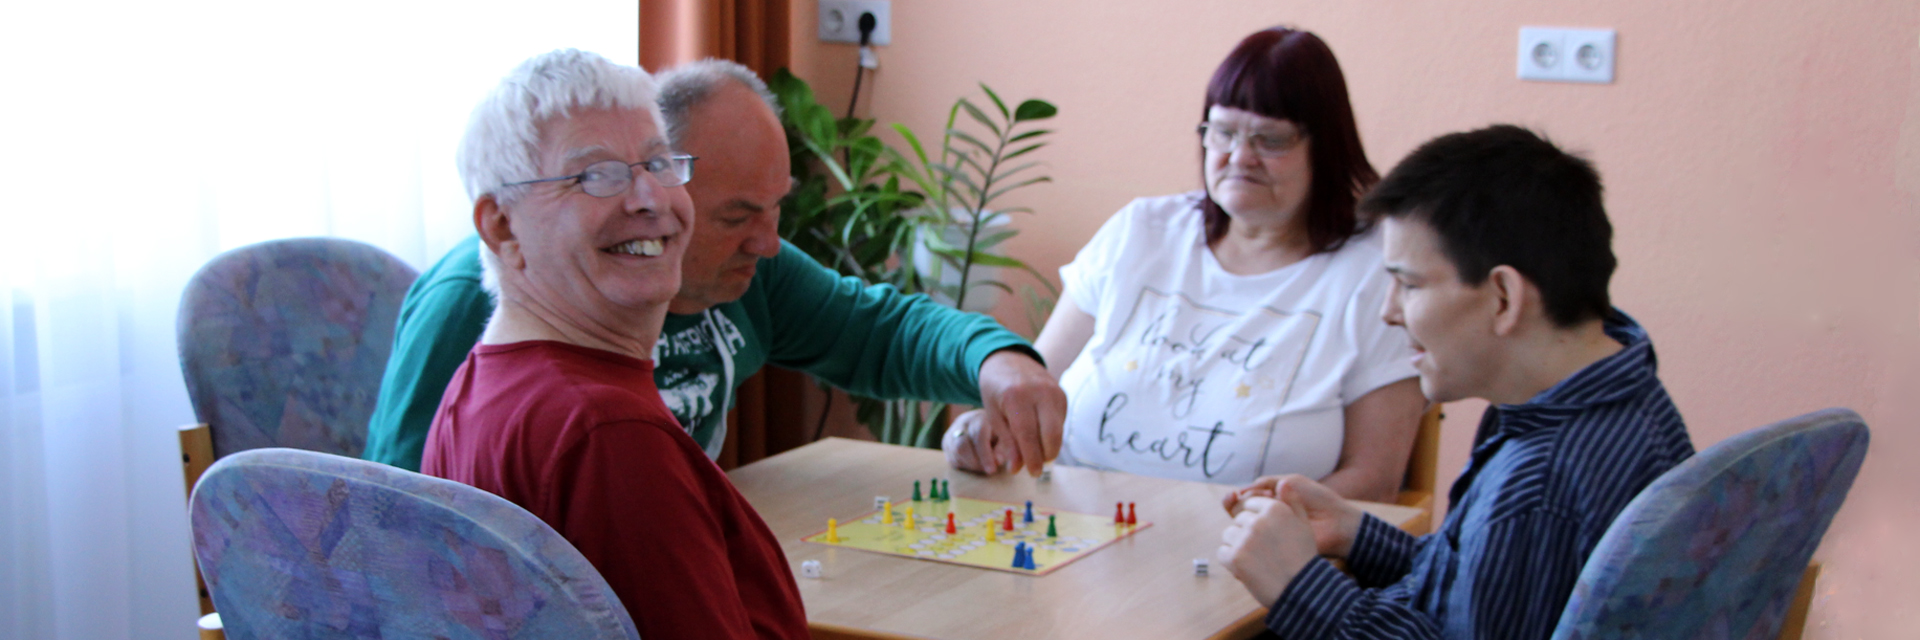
(1029, 517)
(1029, 558)
(1019, 555)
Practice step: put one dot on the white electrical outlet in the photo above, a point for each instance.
(840, 20)
(1566, 55)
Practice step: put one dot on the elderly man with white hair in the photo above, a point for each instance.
(579, 203)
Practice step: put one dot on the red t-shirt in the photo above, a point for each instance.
(580, 437)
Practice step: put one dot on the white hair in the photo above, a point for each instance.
(684, 87)
(502, 142)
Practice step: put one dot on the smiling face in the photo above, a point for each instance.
(1451, 323)
(1246, 185)
(596, 261)
(743, 174)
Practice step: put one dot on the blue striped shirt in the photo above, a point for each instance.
(1545, 481)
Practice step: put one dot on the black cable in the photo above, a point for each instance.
(867, 25)
(858, 73)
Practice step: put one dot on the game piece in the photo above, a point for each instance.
(916, 491)
(810, 569)
(1131, 520)
(1028, 557)
(1009, 518)
(1119, 513)
(1051, 531)
(990, 533)
(833, 530)
(1020, 556)
(933, 489)
(946, 489)
(1029, 517)
(950, 528)
(880, 501)
(886, 513)
(1200, 567)
(909, 523)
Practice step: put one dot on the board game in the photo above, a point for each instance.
(1074, 534)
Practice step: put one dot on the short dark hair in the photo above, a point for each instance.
(1505, 195)
(1288, 74)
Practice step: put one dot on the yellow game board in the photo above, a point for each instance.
(1079, 534)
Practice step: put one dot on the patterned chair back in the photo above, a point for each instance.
(283, 343)
(1716, 547)
(297, 544)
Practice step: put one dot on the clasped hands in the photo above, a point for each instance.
(1280, 523)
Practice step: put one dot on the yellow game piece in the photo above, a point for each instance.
(833, 530)
(886, 513)
(909, 524)
(990, 536)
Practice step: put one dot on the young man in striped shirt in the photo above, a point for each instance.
(1500, 251)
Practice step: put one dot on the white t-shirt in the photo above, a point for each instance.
(1195, 373)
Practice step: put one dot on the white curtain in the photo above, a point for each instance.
(140, 139)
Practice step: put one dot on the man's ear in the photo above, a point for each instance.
(496, 230)
(1511, 291)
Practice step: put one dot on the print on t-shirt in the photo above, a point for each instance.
(1185, 385)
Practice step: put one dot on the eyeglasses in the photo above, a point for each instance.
(1221, 139)
(609, 178)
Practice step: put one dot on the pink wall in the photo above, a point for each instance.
(1762, 160)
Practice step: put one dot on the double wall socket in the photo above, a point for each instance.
(1566, 55)
(840, 20)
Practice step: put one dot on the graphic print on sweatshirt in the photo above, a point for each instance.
(691, 371)
(1188, 390)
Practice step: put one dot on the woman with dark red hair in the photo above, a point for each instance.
(1234, 332)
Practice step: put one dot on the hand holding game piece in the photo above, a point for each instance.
(1025, 411)
(1266, 546)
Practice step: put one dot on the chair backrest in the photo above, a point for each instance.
(283, 343)
(1423, 464)
(1716, 547)
(297, 544)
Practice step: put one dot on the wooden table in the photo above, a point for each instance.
(1140, 587)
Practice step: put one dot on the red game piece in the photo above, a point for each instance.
(1009, 526)
(950, 528)
(1131, 520)
(1119, 513)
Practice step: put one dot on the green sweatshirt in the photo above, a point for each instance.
(870, 340)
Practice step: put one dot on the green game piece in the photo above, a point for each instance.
(916, 491)
(946, 489)
(1052, 532)
(933, 489)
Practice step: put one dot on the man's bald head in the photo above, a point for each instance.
(722, 113)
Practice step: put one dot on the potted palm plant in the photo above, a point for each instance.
(865, 209)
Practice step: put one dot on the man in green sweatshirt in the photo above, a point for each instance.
(746, 299)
